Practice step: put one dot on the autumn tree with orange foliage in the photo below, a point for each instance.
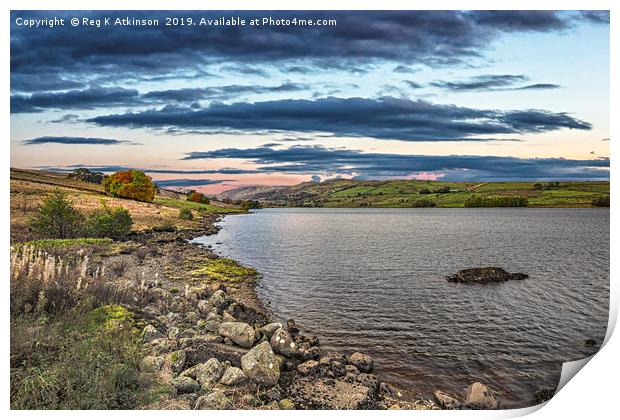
(131, 184)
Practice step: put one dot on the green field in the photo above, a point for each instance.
(404, 193)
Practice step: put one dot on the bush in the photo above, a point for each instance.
(83, 174)
(423, 203)
(109, 223)
(186, 214)
(197, 197)
(250, 204)
(425, 191)
(56, 218)
(135, 185)
(602, 201)
(493, 201)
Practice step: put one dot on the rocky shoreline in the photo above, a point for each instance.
(216, 347)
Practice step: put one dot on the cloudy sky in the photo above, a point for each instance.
(430, 95)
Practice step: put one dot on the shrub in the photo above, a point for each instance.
(250, 204)
(423, 203)
(602, 201)
(83, 174)
(425, 191)
(135, 185)
(494, 201)
(197, 197)
(109, 223)
(56, 218)
(185, 214)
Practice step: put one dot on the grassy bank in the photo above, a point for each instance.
(414, 193)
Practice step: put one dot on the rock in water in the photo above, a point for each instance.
(485, 275)
(282, 343)
(261, 365)
(362, 361)
(480, 397)
(239, 333)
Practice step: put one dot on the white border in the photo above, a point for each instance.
(591, 395)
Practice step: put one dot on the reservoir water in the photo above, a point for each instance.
(373, 280)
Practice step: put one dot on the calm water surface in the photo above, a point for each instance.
(374, 280)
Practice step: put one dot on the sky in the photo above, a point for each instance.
(442, 95)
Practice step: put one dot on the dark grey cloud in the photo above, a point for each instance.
(180, 172)
(384, 118)
(492, 82)
(412, 85)
(318, 159)
(189, 182)
(404, 69)
(90, 98)
(74, 140)
(539, 86)
(66, 119)
(105, 97)
(66, 54)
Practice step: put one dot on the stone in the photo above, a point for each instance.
(202, 352)
(480, 397)
(151, 364)
(177, 360)
(211, 326)
(447, 401)
(282, 343)
(338, 369)
(352, 369)
(150, 333)
(370, 381)
(239, 333)
(308, 368)
(310, 354)
(218, 300)
(388, 390)
(261, 365)
(204, 307)
(269, 329)
(329, 394)
(173, 333)
(362, 361)
(233, 376)
(227, 317)
(216, 400)
(286, 404)
(187, 333)
(185, 385)
(484, 275)
(291, 327)
(209, 372)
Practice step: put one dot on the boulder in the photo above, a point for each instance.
(185, 385)
(485, 275)
(351, 369)
(447, 401)
(286, 404)
(233, 376)
(150, 333)
(308, 368)
(261, 365)
(291, 326)
(330, 394)
(202, 352)
(177, 360)
(362, 361)
(209, 372)
(282, 343)
(219, 300)
(151, 364)
(204, 307)
(269, 329)
(480, 397)
(216, 400)
(370, 381)
(239, 333)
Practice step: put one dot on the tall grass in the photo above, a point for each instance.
(74, 343)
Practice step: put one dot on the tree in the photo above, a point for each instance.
(197, 197)
(132, 184)
(56, 218)
(113, 223)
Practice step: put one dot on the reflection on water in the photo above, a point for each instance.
(374, 280)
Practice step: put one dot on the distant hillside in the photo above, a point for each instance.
(412, 193)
